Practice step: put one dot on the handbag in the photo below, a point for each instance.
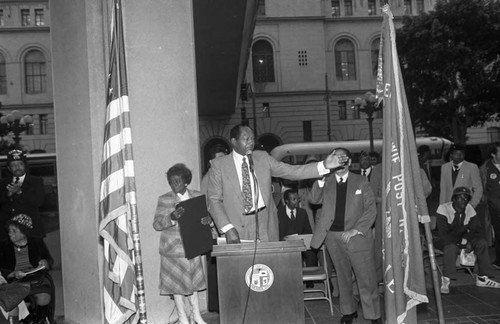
(13, 293)
(467, 259)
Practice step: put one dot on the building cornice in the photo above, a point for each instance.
(25, 29)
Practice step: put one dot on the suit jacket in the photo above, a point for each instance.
(360, 209)
(468, 176)
(28, 202)
(225, 202)
(170, 239)
(288, 227)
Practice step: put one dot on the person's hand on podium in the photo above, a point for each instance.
(232, 236)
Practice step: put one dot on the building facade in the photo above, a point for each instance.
(26, 70)
(308, 62)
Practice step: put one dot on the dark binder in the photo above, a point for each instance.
(195, 227)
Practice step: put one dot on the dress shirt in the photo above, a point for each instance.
(289, 212)
(457, 165)
(21, 179)
(368, 171)
(321, 182)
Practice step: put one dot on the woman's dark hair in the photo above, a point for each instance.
(23, 229)
(181, 170)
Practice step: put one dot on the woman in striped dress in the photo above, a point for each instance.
(179, 277)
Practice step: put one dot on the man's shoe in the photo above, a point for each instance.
(484, 281)
(495, 265)
(347, 319)
(445, 285)
(377, 321)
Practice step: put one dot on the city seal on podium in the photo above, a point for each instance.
(262, 277)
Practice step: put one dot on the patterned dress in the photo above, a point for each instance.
(178, 275)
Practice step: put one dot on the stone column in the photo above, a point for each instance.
(162, 92)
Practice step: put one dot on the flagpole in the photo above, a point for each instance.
(435, 281)
(139, 273)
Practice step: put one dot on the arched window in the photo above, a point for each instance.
(374, 50)
(262, 61)
(3, 75)
(35, 72)
(345, 61)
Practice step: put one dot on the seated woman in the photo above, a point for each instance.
(22, 254)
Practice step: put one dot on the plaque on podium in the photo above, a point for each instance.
(270, 283)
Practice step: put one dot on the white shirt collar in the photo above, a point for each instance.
(344, 177)
(184, 196)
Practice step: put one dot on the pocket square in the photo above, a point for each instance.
(358, 192)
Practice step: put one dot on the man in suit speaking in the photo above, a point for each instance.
(239, 190)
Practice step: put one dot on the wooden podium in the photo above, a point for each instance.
(276, 294)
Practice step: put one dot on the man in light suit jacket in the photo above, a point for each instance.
(226, 183)
(349, 212)
(460, 173)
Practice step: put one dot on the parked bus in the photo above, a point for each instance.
(297, 153)
(42, 165)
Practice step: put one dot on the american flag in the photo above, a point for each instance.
(403, 202)
(123, 282)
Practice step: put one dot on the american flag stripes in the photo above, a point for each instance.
(124, 300)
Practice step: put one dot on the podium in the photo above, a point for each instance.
(276, 294)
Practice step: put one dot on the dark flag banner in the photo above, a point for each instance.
(403, 202)
(123, 282)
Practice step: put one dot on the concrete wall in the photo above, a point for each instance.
(162, 91)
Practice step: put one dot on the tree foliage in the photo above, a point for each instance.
(450, 64)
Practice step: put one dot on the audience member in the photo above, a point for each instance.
(18, 256)
(374, 158)
(490, 174)
(348, 215)
(179, 276)
(20, 193)
(424, 154)
(458, 228)
(235, 196)
(460, 173)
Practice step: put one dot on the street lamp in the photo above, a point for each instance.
(15, 123)
(368, 104)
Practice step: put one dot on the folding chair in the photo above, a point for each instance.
(318, 273)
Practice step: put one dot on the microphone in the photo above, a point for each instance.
(250, 160)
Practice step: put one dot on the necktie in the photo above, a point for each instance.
(455, 168)
(247, 188)
(17, 180)
(364, 172)
(341, 181)
(292, 216)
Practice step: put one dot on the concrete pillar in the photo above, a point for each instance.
(162, 92)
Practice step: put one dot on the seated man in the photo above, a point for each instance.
(459, 228)
(294, 220)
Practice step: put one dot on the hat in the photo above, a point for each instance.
(461, 190)
(16, 155)
(23, 220)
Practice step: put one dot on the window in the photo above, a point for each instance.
(420, 6)
(307, 130)
(44, 121)
(262, 62)
(375, 50)
(25, 17)
(35, 72)
(355, 114)
(372, 7)
(39, 21)
(345, 62)
(2, 22)
(342, 110)
(335, 8)
(261, 10)
(3, 76)
(302, 58)
(408, 7)
(348, 7)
